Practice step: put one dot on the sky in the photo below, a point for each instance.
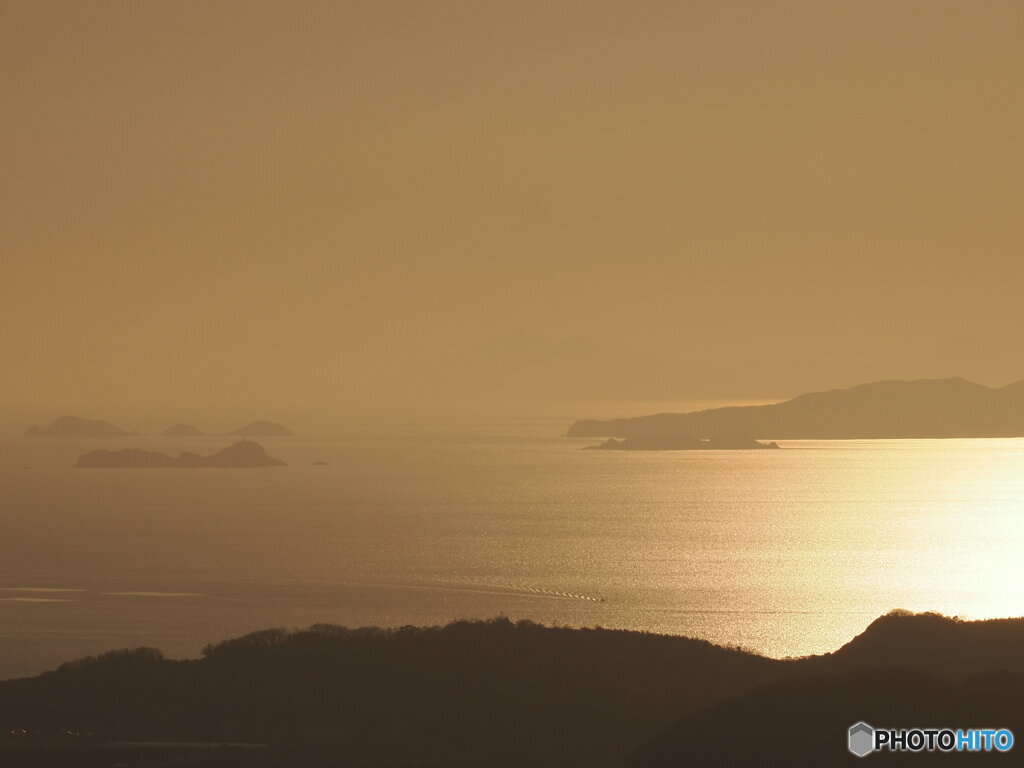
(272, 204)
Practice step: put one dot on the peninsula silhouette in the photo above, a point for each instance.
(723, 442)
(928, 408)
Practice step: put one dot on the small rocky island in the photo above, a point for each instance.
(723, 442)
(242, 454)
(76, 426)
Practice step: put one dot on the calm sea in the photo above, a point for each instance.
(786, 552)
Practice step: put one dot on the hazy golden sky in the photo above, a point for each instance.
(270, 202)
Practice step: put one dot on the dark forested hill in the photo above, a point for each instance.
(472, 693)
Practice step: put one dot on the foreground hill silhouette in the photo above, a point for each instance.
(242, 454)
(502, 694)
(803, 722)
(884, 409)
(76, 426)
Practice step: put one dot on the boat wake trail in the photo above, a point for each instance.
(509, 586)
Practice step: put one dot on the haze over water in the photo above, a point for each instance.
(785, 552)
(407, 246)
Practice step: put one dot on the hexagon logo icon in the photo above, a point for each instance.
(861, 739)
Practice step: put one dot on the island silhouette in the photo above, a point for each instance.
(261, 428)
(244, 453)
(499, 693)
(927, 408)
(76, 426)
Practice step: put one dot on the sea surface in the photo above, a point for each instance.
(786, 552)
